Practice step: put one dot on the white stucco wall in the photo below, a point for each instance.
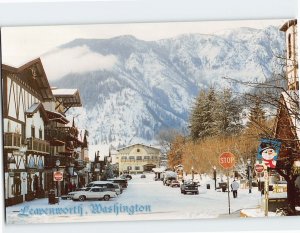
(37, 121)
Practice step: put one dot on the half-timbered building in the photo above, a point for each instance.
(37, 134)
(25, 147)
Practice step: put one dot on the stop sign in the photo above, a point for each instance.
(259, 168)
(227, 160)
(58, 176)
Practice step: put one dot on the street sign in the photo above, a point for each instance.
(227, 160)
(58, 176)
(259, 168)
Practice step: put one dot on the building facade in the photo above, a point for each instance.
(291, 39)
(36, 135)
(24, 118)
(138, 158)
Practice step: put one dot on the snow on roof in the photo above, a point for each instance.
(33, 108)
(145, 146)
(159, 169)
(170, 174)
(290, 98)
(64, 91)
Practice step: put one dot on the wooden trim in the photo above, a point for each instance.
(4, 96)
(16, 120)
(16, 79)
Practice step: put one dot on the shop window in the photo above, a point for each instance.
(16, 187)
(40, 133)
(32, 131)
(29, 182)
(8, 126)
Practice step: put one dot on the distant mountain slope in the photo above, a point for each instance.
(152, 85)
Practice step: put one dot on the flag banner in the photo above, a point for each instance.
(268, 152)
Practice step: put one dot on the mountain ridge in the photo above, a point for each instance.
(152, 84)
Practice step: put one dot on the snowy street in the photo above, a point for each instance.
(144, 199)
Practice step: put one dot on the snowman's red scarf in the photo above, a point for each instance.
(269, 163)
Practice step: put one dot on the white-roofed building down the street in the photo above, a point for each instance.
(138, 158)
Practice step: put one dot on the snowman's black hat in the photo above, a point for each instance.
(265, 146)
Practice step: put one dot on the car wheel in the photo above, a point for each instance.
(106, 197)
(81, 198)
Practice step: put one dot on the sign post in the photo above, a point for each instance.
(259, 168)
(268, 153)
(227, 161)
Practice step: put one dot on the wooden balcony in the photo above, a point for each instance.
(38, 145)
(50, 161)
(12, 140)
(56, 136)
(79, 164)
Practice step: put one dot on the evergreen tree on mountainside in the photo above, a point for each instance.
(202, 121)
(215, 114)
(227, 112)
(257, 116)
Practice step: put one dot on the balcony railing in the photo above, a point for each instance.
(12, 139)
(38, 145)
(55, 134)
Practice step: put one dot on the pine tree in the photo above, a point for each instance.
(203, 115)
(215, 114)
(228, 114)
(257, 116)
(197, 116)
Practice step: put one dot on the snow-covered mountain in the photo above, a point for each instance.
(131, 89)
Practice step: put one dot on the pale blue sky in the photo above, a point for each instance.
(22, 44)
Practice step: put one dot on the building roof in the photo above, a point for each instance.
(33, 76)
(291, 99)
(289, 23)
(69, 97)
(138, 144)
(37, 107)
(56, 116)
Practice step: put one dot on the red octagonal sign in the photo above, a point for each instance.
(58, 176)
(259, 168)
(227, 160)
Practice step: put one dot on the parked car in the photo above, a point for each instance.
(122, 182)
(126, 176)
(174, 183)
(92, 193)
(189, 187)
(143, 176)
(168, 180)
(108, 185)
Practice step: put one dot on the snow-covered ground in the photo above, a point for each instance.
(144, 199)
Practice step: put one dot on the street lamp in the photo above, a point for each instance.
(215, 176)
(249, 173)
(57, 163)
(192, 174)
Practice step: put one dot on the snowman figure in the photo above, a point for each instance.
(269, 155)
